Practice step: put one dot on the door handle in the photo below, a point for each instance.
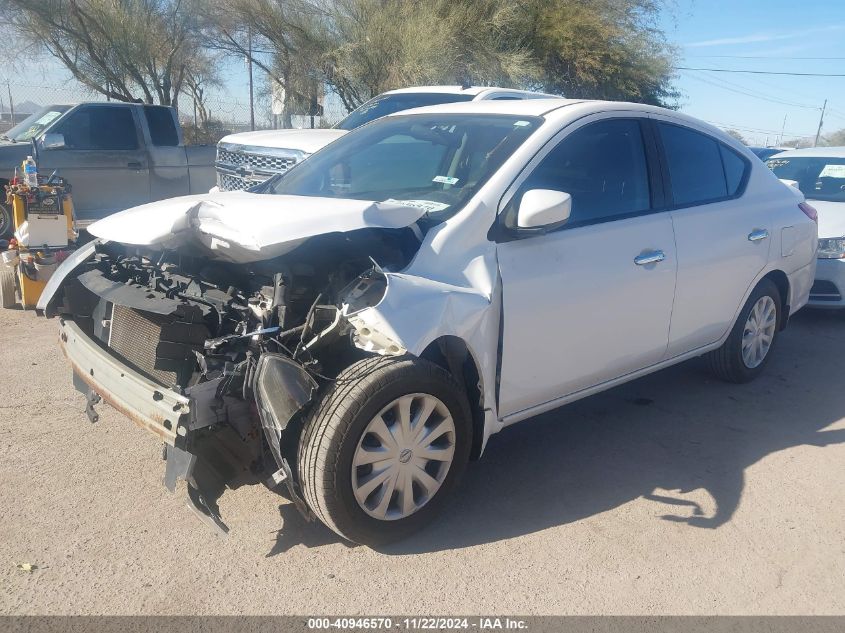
(649, 258)
(137, 165)
(757, 235)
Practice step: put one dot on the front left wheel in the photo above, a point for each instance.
(382, 448)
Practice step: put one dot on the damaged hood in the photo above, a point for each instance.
(244, 227)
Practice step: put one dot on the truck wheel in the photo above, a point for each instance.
(7, 225)
(382, 448)
(749, 346)
(7, 288)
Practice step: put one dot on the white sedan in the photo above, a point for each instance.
(819, 173)
(356, 331)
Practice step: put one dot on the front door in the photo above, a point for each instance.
(103, 160)
(591, 301)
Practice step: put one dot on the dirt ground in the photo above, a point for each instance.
(675, 494)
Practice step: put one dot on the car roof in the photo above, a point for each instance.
(474, 91)
(541, 107)
(517, 107)
(817, 152)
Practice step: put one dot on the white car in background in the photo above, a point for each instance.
(359, 329)
(249, 158)
(819, 173)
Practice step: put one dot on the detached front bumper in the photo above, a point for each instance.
(148, 404)
(212, 441)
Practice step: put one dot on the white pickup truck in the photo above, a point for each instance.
(249, 158)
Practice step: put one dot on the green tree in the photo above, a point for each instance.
(603, 49)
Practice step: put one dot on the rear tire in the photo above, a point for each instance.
(353, 437)
(747, 351)
(8, 288)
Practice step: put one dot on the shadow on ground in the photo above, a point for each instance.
(678, 430)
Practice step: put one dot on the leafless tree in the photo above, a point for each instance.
(127, 50)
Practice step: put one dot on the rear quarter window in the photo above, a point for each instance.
(735, 169)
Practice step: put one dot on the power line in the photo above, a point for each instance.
(754, 95)
(760, 72)
(759, 130)
(762, 57)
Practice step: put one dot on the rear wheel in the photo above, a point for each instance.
(382, 448)
(749, 346)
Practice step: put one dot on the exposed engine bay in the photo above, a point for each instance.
(248, 344)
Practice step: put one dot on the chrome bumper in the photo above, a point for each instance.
(151, 406)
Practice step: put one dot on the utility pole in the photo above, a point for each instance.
(251, 97)
(821, 121)
(783, 127)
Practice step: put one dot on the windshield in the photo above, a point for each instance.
(818, 178)
(34, 124)
(383, 105)
(434, 162)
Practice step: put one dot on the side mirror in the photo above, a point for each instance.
(53, 140)
(543, 208)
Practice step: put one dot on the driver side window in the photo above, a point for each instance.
(602, 166)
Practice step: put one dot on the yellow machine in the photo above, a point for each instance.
(44, 234)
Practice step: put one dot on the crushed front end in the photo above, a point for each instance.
(219, 359)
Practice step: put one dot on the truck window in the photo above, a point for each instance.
(162, 126)
(100, 128)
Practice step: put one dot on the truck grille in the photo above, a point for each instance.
(237, 169)
(228, 182)
(255, 161)
(134, 336)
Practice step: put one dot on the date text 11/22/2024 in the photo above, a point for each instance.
(418, 623)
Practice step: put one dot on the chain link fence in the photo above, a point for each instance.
(203, 122)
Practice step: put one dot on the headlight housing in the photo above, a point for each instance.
(832, 248)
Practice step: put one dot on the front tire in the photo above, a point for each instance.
(382, 448)
(747, 351)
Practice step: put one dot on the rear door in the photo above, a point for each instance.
(591, 301)
(103, 159)
(722, 236)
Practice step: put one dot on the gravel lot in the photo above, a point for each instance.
(675, 494)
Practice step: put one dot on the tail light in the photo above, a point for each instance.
(809, 211)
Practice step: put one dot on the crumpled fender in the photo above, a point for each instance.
(415, 311)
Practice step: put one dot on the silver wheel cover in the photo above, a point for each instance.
(759, 332)
(403, 456)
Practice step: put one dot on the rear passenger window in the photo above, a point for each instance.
(602, 166)
(695, 165)
(734, 169)
(163, 130)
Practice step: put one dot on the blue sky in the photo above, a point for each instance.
(768, 35)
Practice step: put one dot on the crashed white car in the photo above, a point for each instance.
(356, 333)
